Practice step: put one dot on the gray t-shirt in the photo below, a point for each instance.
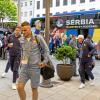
(32, 52)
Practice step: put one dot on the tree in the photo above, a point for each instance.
(47, 21)
(7, 10)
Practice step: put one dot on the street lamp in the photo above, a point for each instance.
(47, 20)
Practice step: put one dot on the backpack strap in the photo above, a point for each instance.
(38, 43)
(40, 48)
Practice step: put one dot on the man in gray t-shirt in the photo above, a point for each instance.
(31, 61)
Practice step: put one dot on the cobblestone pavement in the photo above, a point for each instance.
(61, 91)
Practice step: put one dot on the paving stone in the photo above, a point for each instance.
(62, 90)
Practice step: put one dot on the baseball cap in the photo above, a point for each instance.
(37, 21)
(80, 36)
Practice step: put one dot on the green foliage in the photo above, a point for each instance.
(65, 52)
(8, 10)
(9, 24)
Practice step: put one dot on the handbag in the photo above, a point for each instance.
(48, 71)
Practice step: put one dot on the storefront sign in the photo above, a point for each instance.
(78, 23)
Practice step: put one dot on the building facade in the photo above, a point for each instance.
(36, 8)
(27, 9)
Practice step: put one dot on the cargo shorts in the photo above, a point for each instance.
(31, 73)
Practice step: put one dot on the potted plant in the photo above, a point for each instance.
(64, 54)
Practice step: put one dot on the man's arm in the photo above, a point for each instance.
(92, 49)
(44, 47)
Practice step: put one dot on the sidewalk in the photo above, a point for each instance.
(61, 91)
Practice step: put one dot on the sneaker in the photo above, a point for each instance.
(82, 86)
(76, 75)
(3, 75)
(14, 86)
(92, 82)
(46, 84)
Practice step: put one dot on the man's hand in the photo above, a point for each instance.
(89, 55)
(41, 65)
(10, 45)
(98, 56)
(24, 61)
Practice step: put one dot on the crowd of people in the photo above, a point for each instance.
(25, 56)
(86, 48)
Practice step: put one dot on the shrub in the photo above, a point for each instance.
(64, 53)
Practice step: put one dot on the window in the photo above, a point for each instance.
(92, 9)
(25, 3)
(30, 13)
(73, 2)
(21, 4)
(25, 14)
(50, 14)
(92, 0)
(30, 3)
(21, 13)
(57, 3)
(82, 1)
(51, 3)
(43, 14)
(82, 10)
(73, 11)
(57, 12)
(38, 4)
(38, 15)
(43, 3)
(65, 12)
(65, 2)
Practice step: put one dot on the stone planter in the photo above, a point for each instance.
(64, 71)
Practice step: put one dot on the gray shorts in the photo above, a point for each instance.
(29, 72)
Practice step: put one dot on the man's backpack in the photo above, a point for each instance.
(48, 71)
